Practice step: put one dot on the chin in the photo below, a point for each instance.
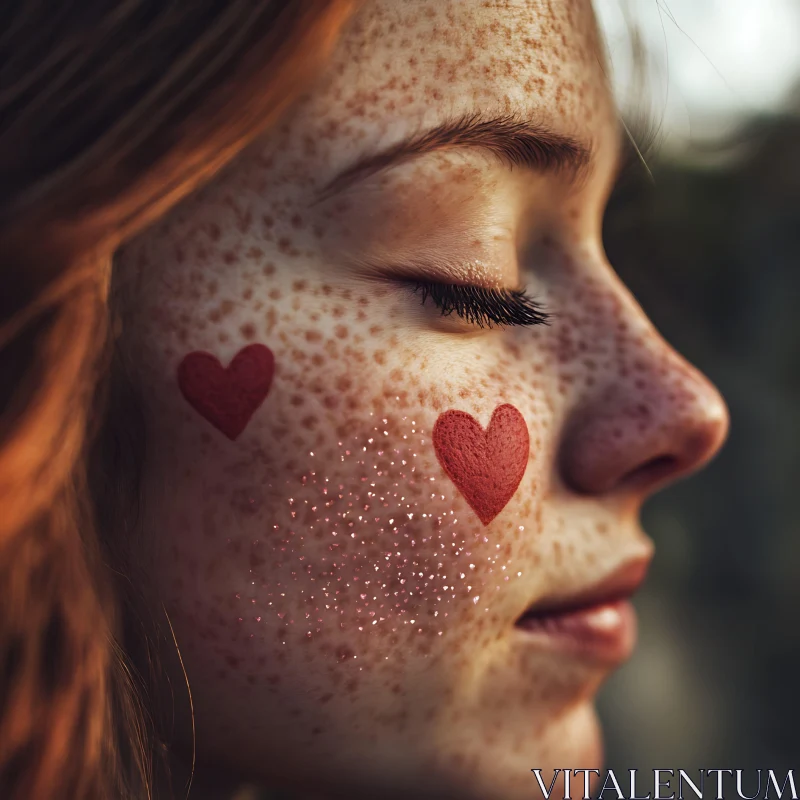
(573, 741)
(501, 769)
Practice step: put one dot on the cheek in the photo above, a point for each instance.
(328, 531)
(345, 537)
(325, 556)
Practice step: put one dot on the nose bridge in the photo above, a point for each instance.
(647, 411)
(660, 378)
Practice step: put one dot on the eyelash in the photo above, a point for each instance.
(481, 306)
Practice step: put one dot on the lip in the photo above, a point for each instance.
(597, 624)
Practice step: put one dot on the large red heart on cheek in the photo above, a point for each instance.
(227, 396)
(486, 466)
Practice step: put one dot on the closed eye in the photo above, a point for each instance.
(483, 306)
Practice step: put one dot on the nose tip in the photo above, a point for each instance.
(710, 430)
(645, 435)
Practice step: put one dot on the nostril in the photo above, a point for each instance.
(654, 471)
(616, 442)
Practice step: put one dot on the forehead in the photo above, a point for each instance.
(404, 66)
(405, 63)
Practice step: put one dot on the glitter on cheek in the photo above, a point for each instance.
(362, 550)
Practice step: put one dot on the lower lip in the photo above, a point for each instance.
(603, 633)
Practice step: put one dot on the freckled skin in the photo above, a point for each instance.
(336, 601)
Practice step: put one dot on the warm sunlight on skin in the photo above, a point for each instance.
(344, 615)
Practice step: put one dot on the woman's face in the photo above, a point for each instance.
(342, 541)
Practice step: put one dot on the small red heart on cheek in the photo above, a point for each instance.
(227, 396)
(486, 466)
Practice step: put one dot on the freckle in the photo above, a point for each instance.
(341, 331)
(268, 269)
(255, 252)
(214, 315)
(285, 244)
(299, 286)
(230, 257)
(375, 330)
(214, 232)
(297, 400)
(275, 294)
(271, 319)
(331, 401)
(343, 383)
(338, 311)
(356, 355)
(248, 331)
(309, 422)
(313, 336)
(212, 287)
(247, 294)
(268, 221)
(279, 433)
(363, 301)
(380, 357)
(361, 316)
(326, 290)
(223, 337)
(317, 360)
(296, 221)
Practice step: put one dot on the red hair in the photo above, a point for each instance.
(111, 112)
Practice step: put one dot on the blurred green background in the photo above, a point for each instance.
(710, 247)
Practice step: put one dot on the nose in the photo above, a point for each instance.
(653, 419)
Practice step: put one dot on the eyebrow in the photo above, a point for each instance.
(515, 140)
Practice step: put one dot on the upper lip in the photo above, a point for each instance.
(619, 584)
